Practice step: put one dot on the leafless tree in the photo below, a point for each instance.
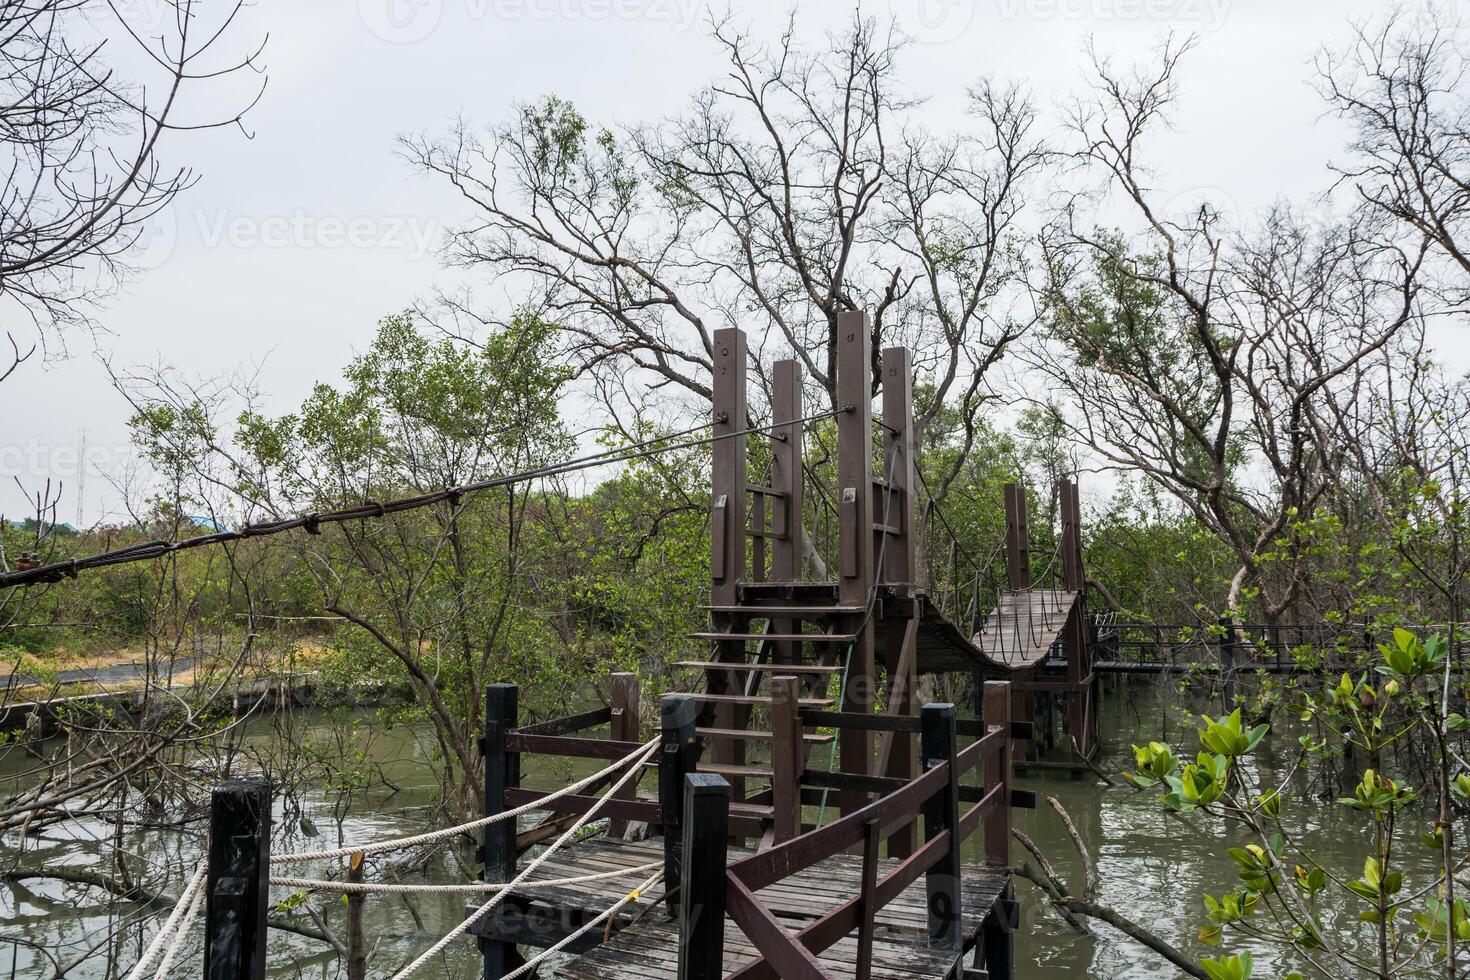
(82, 144)
(792, 189)
(1208, 358)
(1401, 85)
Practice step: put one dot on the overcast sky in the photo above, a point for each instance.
(294, 243)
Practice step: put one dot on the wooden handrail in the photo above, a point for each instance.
(569, 724)
(771, 865)
(785, 954)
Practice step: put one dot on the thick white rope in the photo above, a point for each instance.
(156, 946)
(632, 896)
(437, 835)
(636, 758)
(181, 935)
(468, 887)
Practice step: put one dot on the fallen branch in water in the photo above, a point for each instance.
(1070, 906)
(157, 901)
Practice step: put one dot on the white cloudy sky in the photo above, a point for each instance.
(295, 242)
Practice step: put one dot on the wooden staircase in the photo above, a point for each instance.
(774, 630)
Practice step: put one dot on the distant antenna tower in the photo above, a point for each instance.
(81, 480)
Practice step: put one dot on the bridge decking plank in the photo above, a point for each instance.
(649, 949)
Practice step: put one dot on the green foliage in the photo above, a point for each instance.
(1282, 886)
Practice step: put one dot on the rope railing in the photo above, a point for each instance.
(463, 888)
(398, 844)
(587, 927)
(169, 940)
(171, 925)
(634, 760)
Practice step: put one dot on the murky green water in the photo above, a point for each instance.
(1152, 867)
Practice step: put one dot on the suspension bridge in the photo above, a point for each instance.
(810, 816)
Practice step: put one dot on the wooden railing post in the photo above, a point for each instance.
(786, 454)
(705, 833)
(856, 572)
(678, 755)
(1077, 631)
(997, 715)
(787, 756)
(728, 564)
(872, 831)
(624, 728)
(997, 942)
(941, 815)
(238, 880)
(1073, 573)
(1018, 537)
(727, 517)
(502, 772)
(786, 478)
(1227, 663)
(896, 507)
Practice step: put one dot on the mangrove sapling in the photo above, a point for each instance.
(1408, 921)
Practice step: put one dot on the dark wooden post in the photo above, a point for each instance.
(787, 757)
(941, 815)
(1018, 538)
(706, 831)
(1227, 663)
(872, 830)
(1076, 631)
(786, 479)
(899, 758)
(898, 465)
(786, 455)
(238, 882)
(678, 755)
(624, 728)
(727, 518)
(727, 524)
(856, 574)
(1073, 576)
(502, 772)
(997, 715)
(356, 941)
(997, 937)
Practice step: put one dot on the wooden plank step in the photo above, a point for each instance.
(754, 735)
(726, 769)
(802, 637)
(797, 669)
(749, 699)
(753, 809)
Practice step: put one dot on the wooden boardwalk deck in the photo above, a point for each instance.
(645, 942)
(1021, 630)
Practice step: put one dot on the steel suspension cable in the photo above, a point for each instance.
(312, 522)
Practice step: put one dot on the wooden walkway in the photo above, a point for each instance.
(1023, 627)
(645, 940)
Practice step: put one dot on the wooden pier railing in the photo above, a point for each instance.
(934, 797)
(694, 814)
